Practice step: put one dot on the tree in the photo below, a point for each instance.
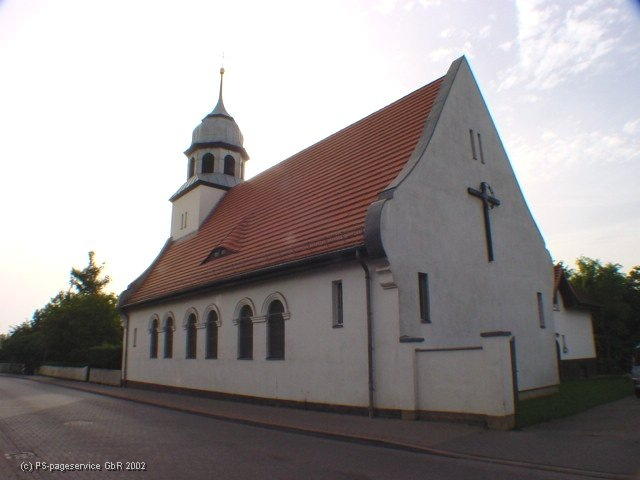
(88, 279)
(73, 327)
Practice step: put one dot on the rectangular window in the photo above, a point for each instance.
(336, 287)
(540, 311)
(473, 145)
(565, 348)
(423, 293)
(480, 149)
(135, 336)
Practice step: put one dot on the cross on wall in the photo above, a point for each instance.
(488, 202)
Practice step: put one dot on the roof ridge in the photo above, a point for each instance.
(337, 132)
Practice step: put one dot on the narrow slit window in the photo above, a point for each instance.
(540, 311)
(135, 336)
(336, 288)
(480, 149)
(423, 294)
(473, 145)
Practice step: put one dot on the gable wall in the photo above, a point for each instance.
(433, 225)
(577, 327)
(322, 364)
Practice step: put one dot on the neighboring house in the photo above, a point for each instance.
(574, 329)
(393, 267)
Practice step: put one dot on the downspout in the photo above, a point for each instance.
(125, 350)
(367, 281)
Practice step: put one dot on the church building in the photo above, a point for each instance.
(392, 268)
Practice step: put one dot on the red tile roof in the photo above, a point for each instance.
(313, 203)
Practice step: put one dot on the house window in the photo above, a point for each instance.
(245, 334)
(153, 339)
(565, 348)
(135, 336)
(192, 168)
(540, 310)
(212, 334)
(336, 288)
(423, 295)
(275, 331)
(207, 163)
(192, 337)
(168, 338)
(229, 165)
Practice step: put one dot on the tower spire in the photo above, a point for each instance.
(219, 109)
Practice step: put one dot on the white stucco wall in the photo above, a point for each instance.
(197, 203)
(322, 364)
(475, 380)
(433, 225)
(577, 328)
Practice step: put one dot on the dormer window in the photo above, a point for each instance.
(207, 163)
(217, 253)
(229, 165)
(192, 167)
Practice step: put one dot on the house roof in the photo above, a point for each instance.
(310, 204)
(572, 296)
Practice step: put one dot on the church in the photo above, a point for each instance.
(392, 268)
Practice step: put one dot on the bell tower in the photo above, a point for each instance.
(215, 164)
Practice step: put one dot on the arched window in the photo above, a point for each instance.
(212, 334)
(153, 340)
(275, 331)
(229, 165)
(245, 333)
(192, 168)
(192, 337)
(168, 338)
(207, 163)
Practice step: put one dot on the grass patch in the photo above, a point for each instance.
(574, 396)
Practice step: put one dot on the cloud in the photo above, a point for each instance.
(484, 31)
(558, 152)
(447, 33)
(556, 42)
(506, 46)
(632, 127)
(440, 54)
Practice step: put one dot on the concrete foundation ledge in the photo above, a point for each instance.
(538, 392)
(105, 377)
(70, 373)
(274, 402)
(507, 422)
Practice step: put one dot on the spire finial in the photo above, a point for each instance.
(220, 110)
(221, 78)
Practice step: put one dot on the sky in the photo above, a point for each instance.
(98, 101)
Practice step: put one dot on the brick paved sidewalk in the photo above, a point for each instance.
(570, 445)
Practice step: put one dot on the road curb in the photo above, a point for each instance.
(351, 438)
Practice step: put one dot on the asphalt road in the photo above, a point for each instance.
(55, 425)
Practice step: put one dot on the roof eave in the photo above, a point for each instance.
(260, 274)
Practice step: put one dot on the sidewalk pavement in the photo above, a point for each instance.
(603, 442)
